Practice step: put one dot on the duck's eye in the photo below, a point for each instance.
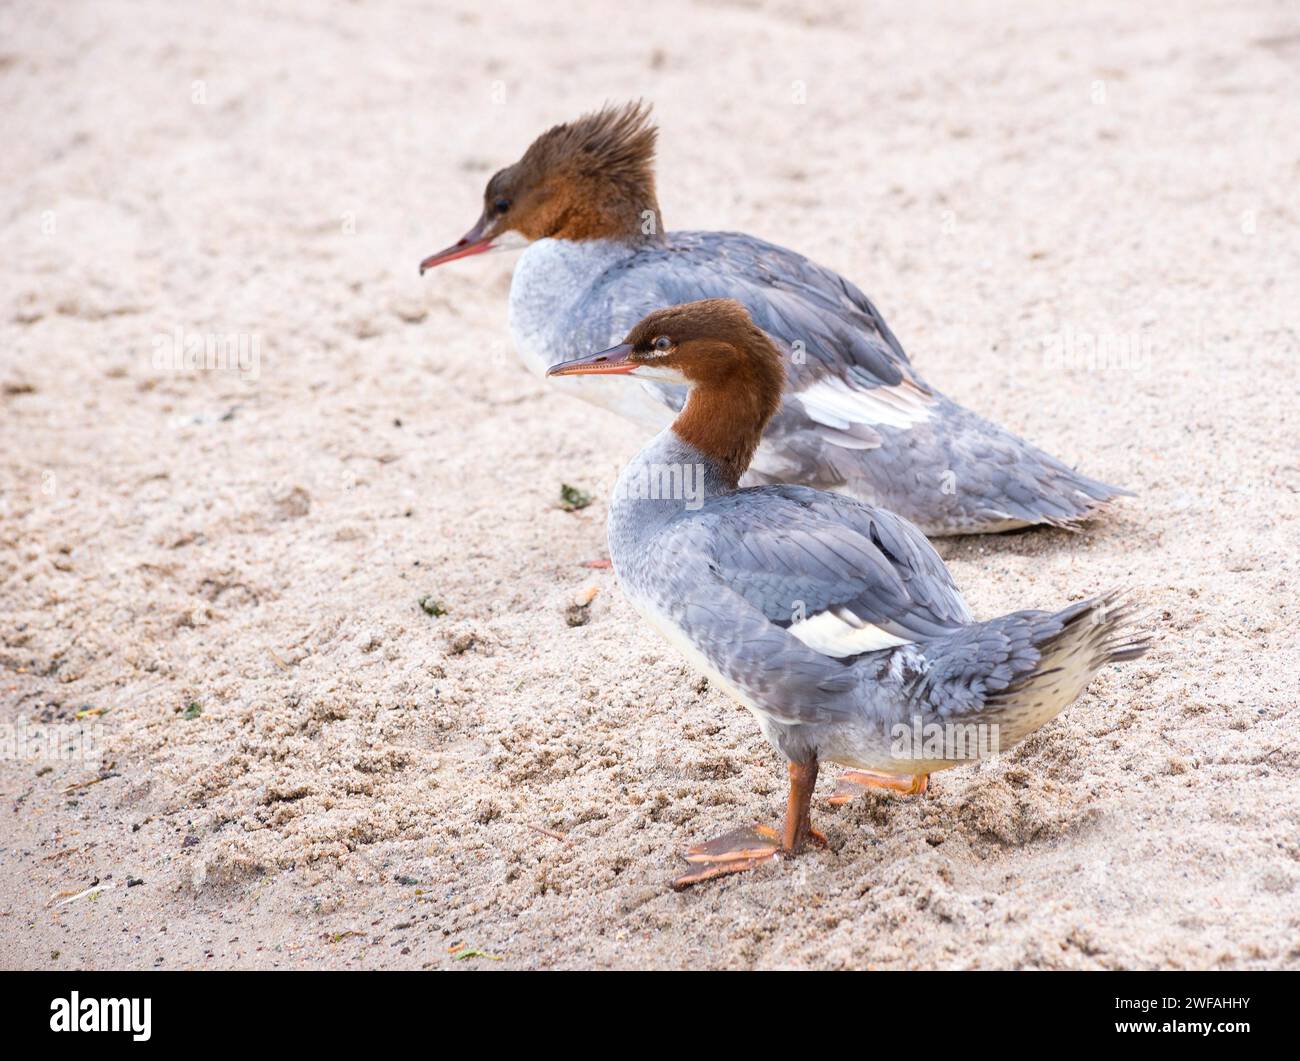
(501, 205)
(663, 343)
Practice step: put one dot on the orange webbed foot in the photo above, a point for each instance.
(732, 852)
(853, 783)
(757, 845)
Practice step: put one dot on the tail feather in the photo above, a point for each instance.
(1006, 482)
(1056, 494)
(1072, 645)
(1023, 669)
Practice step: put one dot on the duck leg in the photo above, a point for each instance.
(853, 782)
(756, 845)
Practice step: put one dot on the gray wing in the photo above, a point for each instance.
(849, 389)
(846, 375)
(783, 588)
(830, 329)
(795, 554)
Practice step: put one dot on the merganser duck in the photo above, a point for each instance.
(834, 622)
(856, 417)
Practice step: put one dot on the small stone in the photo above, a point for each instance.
(409, 310)
(293, 504)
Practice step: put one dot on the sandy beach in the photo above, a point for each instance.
(311, 603)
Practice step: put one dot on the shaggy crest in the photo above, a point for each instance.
(618, 142)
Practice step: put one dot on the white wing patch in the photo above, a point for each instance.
(841, 633)
(835, 403)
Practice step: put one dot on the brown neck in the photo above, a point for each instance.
(724, 419)
(621, 212)
(639, 221)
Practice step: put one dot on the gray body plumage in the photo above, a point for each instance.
(856, 416)
(748, 583)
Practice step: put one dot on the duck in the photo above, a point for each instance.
(856, 417)
(834, 622)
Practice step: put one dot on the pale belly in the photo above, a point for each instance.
(870, 751)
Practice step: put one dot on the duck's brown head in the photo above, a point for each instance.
(588, 179)
(734, 371)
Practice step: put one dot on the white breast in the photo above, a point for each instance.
(552, 280)
(552, 320)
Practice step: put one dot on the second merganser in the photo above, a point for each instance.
(834, 622)
(856, 417)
